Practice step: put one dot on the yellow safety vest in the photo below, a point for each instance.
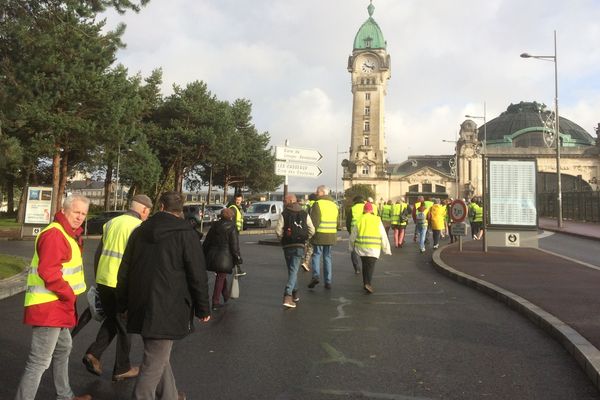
(239, 217)
(368, 236)
(386, 213)
(72, 271)
(357, 212)
(114, 240)
(329, 216)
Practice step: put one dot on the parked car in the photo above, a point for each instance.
(94, 225)
(263, 214)
(193, 213)
(212, 212)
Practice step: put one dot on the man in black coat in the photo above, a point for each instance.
(162, 285)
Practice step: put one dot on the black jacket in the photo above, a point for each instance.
(221, 246)
(162, 279)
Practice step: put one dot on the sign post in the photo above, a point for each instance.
(458, 213)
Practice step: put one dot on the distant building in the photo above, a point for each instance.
(523, 130)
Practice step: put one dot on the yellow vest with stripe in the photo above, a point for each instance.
(357, 212)
(239, 217)
(368, 235)
(72, 272)
(329, 216)
(386, 213)
(114, 240)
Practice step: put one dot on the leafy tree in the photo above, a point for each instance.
(358, 190)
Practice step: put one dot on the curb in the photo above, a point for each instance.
(586, 355)
(13, 285)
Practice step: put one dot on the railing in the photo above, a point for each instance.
(576, 206)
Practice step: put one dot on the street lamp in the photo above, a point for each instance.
(554, 59)
(455, 160)
(484, 177)
(337, 165)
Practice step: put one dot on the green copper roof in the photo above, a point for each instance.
(369, 35)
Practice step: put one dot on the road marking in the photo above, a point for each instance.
(336, 356)
(571, 259)
(340, 309)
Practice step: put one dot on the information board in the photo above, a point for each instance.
(512, 192)
(39, 201)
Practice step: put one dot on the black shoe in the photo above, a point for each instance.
(327, 285)
(238, 271)
(313, 282)
(92, 364)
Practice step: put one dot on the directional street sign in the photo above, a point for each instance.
(296, 169)
(297, 154)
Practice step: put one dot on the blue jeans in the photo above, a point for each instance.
(48, 345)
(293, 257)
(316, 262)
(421, 230)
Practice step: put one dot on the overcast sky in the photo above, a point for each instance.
(289, 57)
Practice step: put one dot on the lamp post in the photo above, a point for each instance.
(554, 59)
(117, 179)
(456, 183)
(484, 177)
(337, 166)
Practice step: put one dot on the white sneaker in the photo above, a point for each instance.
(436, 246)
(422, 249)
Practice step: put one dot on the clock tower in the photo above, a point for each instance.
(369, 67)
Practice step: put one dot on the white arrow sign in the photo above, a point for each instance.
(286, 168)
(297, 154)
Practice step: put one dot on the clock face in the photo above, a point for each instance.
(368, 66)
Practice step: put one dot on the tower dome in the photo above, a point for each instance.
(369, 36)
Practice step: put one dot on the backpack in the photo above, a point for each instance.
(421, 217)
(295, 228)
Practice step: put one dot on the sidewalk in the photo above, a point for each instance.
(558, 294)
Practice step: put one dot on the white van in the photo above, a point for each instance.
(263, 214)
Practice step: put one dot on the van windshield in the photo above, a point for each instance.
(258, 208)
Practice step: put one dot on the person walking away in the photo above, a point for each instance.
(386, 215)
(449, 222)
(422, 217)
(368, 239)
(476, 216)
(308, 248)
(222, 252)
(418, 203)
(54, 280)
(438, 221)
(399, 221)
(107, 260)
(294, 228)
(352, 217)
(324, 215)
(370, 200)
(238, 216)
(162, 284)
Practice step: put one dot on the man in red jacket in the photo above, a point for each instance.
(54, 281)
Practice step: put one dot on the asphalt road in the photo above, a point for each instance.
(419, 336)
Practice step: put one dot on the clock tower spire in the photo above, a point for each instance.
(369, 67)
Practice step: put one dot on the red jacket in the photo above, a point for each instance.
(53, 249)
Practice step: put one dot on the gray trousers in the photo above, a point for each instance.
(49, 345)
(156, 380)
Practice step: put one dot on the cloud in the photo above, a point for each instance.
(448, 57)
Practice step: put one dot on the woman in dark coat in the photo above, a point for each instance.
(222, 251)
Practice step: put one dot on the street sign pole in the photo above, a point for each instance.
(285, 182)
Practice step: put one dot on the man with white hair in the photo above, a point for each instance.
(324, 215)
(55, 279)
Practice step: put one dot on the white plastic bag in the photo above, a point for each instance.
(96, 309)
